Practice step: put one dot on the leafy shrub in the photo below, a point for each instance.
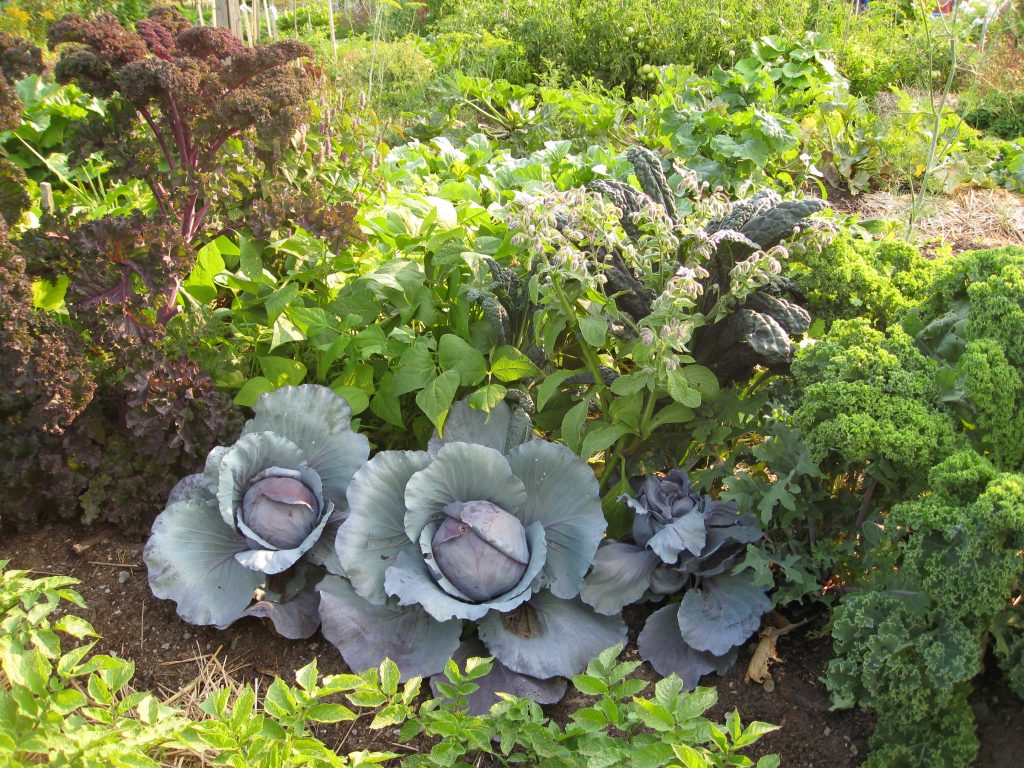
(743, 125)
(890, 45)
(611, 40)
(480, 54)
(995, 111)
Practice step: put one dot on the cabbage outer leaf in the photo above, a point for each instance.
(563, 496)
(319, 423)
(722, 613)
(191, 560)
(374, 533)
(621, 575)
(412, 581)
(549, 636)
(296, 619)
(470, 425)
(366, 634)
(189, 487)
(663, 646)
(460, 472)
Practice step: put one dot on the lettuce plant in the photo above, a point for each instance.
(483, 527)
(261, 506)
(683, 541)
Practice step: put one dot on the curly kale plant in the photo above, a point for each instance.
(869, 401)
(484, 527)
(273, 498)
(909, 644)
(180, 101)
(192, 88)
(876, 280)
(972, 327)
(683, 541)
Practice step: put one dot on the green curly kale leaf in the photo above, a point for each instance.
(972, 327)
(992, 283)
(994, 392)
(869, 396)
(851, 278)
(909, 644)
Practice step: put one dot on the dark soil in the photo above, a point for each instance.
(168, 656)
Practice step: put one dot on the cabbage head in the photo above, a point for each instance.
(689, 543)
(266, 507)
(485, 529)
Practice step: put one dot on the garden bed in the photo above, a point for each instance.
(181, 662)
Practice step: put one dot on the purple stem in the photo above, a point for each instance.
(186, 222)
(160, 194)
(197, 222)
(159, 137)
(214, 146)
(179, 132)
(170, 309)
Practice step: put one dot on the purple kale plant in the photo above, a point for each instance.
(181, 100)
(178, 94)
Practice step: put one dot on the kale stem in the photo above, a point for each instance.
(862, 513)
(145, 115)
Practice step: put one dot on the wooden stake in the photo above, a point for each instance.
(255, 18)
(46, 197)
(227, 14)
(330, 21)
(270, 20)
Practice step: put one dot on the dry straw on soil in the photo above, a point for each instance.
(970, 217)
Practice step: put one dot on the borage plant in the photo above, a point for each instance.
(486, 526)
(683, 541)
(261, 516)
